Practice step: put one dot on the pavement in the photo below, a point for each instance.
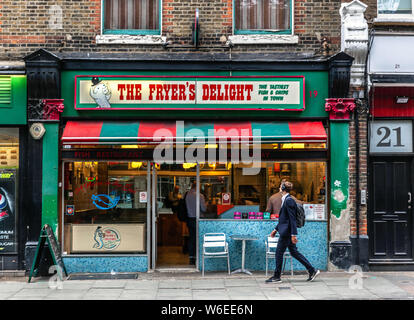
(217, 286)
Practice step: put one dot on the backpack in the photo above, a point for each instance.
(182, 213)
(300, 215)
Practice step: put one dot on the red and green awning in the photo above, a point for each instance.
(77, 132)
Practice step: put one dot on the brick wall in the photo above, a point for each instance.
(24, 27)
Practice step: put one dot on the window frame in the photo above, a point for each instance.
(396, 16)
(265, 32)
(132, 32)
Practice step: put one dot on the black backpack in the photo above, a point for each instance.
(182, 213)
(300, 215)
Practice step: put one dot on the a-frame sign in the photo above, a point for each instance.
(46, 234)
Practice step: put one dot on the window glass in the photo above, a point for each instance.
(105, 207)
(231, 190)
(129, 15)
(395, 6)
(262, 15)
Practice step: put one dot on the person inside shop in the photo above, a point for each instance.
(191, 204)
(174, 199)
(288, 236)
(275, 201)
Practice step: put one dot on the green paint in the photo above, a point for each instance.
(50, 175)
(315, 81)
(339, 136)
(14, 113)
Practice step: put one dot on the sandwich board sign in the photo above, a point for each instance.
(46, 234)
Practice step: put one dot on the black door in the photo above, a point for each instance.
(389, 218)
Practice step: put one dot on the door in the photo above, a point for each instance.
(169, 236)
(390, 220)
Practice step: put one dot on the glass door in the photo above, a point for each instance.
(171, 237)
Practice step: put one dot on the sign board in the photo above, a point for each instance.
(314, 211)
(143, 197)
(8, 238)
(47, 235)
(189, 93)
(394, 136)
(93, 238)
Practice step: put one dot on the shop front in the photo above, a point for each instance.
(133, 138)
(390, 223)
(12, 168)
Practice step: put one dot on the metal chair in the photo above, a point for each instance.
(218, 242)
(271, 244)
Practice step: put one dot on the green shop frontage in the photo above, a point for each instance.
(131, 134)
(13, 122)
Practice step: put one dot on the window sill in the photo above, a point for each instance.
(130, 39)
(394, 21)
(263, 39)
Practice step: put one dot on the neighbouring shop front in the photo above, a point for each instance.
(12, 165)
(390, 223)
(132, 133)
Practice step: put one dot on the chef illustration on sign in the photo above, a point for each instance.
(100, 93)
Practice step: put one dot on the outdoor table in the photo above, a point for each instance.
(243, 238)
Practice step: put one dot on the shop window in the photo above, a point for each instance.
(105, 207)
(263, 16)
(228, 190)
(395, 8)
(9, 169)
(133, 17)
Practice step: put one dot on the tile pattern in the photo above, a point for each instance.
(106, 264)
(313, 244)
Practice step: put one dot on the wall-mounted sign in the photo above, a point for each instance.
(394, 136)
(186, 93)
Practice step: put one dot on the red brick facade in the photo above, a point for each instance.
(24, 27)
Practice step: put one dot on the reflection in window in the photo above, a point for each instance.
(256, 16)
(395, 6)
(105, 207)
(131, 16)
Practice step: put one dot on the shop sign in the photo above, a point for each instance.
(395, 136)
(7, 211)
(185, 93)
(128, 237)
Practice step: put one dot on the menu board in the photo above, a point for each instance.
(314, 211)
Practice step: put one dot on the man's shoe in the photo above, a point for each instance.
(313, 275)
(273, 279)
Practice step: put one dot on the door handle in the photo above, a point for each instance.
(409, 197)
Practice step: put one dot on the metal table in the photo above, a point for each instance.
(243, 238)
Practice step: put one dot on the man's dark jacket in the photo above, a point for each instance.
(287, 218)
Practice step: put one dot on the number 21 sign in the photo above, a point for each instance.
(391, 136)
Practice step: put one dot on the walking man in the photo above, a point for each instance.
(288, 235)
